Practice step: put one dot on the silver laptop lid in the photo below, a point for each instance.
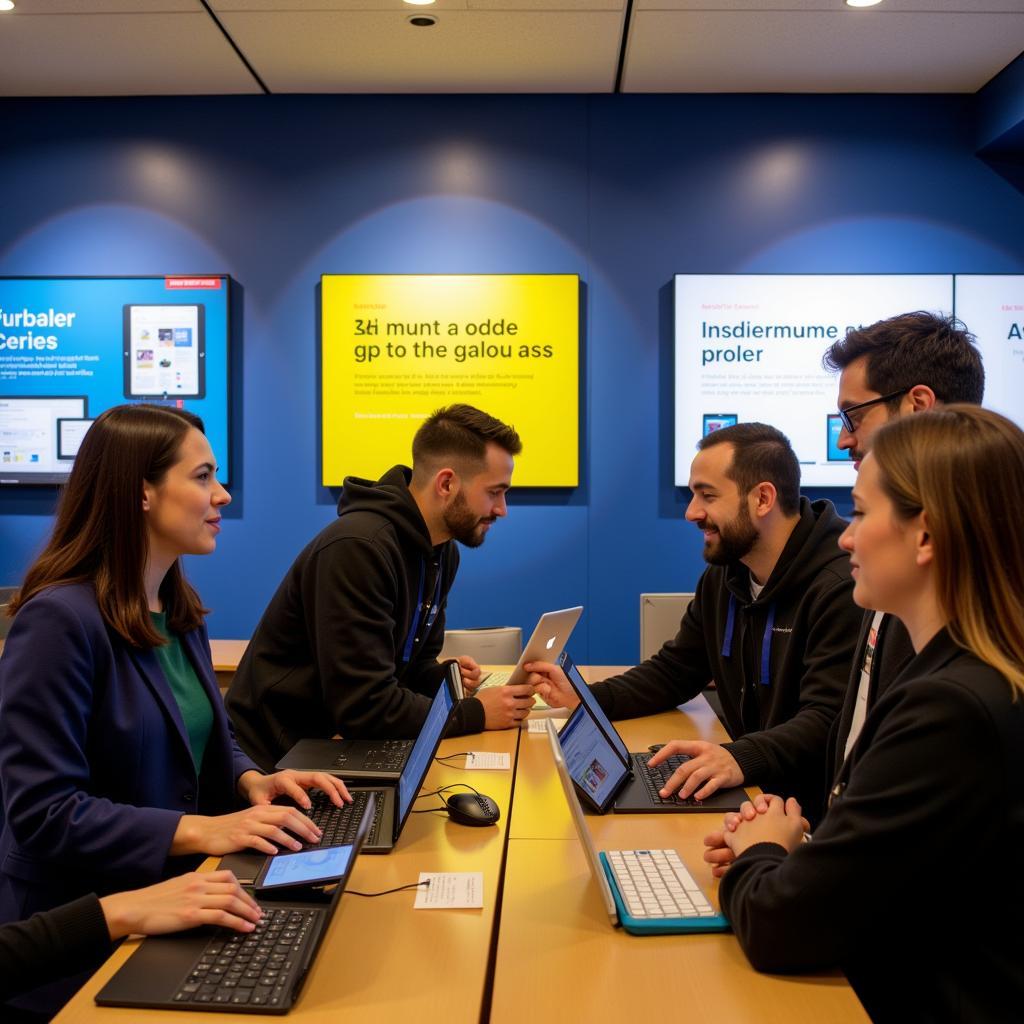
(581, 825)
(551, 635)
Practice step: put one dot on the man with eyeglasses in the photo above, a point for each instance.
(907, 364)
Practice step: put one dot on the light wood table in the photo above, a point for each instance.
(381, 960)
(583, 968)
(559, 959)
(551, 953)
(226, 656)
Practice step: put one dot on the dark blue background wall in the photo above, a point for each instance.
(623, 190)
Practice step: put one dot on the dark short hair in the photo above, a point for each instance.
(760, 453)
(99, 534)
(461, 432)
(915, 348)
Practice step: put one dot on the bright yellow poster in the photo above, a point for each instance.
(396, 347)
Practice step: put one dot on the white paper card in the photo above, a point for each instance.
(450, 889)
(485, 759)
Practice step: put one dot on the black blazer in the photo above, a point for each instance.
(911, 884)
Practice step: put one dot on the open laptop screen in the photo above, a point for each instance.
(590, 759)
(423, 751)
(581, 826)
(586, 695)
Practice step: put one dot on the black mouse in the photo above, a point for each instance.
(473, 809)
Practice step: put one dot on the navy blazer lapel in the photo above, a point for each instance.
(149, 669)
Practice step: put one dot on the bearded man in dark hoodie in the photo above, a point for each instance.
(348, 645)
(772, 622)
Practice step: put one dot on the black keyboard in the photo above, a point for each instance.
(386, 756)
(257, 969)
(655, 778)
(340, 824)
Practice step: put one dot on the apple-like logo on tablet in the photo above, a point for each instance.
(550, 643)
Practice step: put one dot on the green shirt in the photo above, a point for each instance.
(189, 694)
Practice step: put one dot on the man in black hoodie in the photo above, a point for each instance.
(772, 622)
(349, 642)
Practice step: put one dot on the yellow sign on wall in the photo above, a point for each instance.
(396, 347)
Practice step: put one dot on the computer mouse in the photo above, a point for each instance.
(473, 809)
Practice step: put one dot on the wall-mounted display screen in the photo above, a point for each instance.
(396, 347)
(70, 431)
(71, 347)
(992, 306)
(752, 344)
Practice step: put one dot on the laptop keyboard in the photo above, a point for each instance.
(655, 884)
(387, 756)
(496, 679)
(340, 824)
(501, 677)
(257, 969)
(655, 778)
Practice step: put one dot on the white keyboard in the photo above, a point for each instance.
(500, 678)
(655, 884)
(496, 679)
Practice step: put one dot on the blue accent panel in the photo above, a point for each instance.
(1000, 110)
(623, 190)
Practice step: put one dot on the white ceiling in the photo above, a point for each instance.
(177, 47)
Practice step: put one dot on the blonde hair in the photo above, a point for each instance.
(963, 466)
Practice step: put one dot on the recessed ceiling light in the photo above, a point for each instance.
(6, 5)
(423, 20)
(420, 3)
(862, 3)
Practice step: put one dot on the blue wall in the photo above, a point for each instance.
(623, 190)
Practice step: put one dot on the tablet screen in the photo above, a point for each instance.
(305, 868)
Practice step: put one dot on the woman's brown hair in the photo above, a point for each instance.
(963, 466)
(99, 534)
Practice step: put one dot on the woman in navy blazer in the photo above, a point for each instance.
(100, 789)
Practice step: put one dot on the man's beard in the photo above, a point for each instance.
(462, 524)
(735, 539)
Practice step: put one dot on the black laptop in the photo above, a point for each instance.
(234, 972)
(609, 777)
(375, 760)
(394, 800)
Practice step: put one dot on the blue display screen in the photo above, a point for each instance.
(835, 453)
(586, 695)
(590, 759)
(423, 750)
(72, 347)
(328, 864)
(718, 421)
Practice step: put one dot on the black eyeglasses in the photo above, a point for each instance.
(844, 414)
